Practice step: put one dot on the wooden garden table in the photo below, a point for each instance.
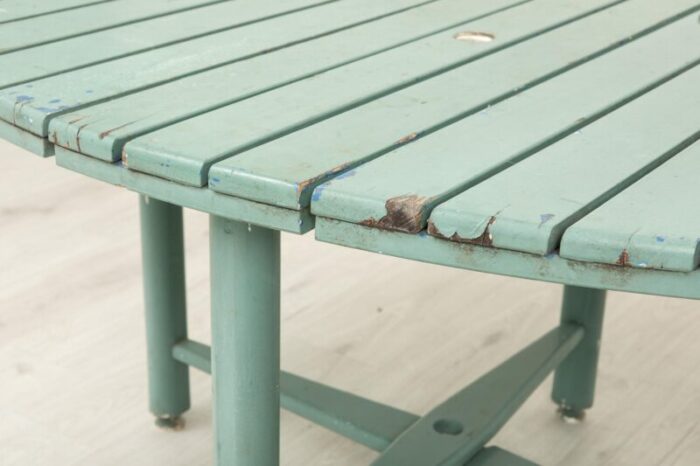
(553, 140)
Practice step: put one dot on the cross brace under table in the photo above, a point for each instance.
(250, 388)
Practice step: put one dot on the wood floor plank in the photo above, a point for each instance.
(399, 189)
(655, 223)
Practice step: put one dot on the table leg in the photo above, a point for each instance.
(575, 378)
(166, 309)
(245, 282)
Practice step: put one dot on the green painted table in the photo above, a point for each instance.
(554, 140)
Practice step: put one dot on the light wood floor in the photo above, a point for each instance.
(72, 360)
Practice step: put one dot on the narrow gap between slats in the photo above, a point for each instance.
(342, 109)
(116, 25)
(217, 31)
(622, 185)
(51, 12)
(274, 49)
(530, 85)
(119, 144)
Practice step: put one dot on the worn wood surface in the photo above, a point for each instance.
(494, 123)
(103, 129)
(77, 241)
(287, 171)
(430, 170)
(528, 206)
(293, 107)
(654, 223)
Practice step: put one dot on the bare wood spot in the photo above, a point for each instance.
(474, 36)
(403, 213)
(407, 138)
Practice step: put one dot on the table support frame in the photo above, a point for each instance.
(249, 388)
(163, 255)
(575, 378)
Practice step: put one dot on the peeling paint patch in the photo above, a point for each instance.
(403, 213)
(485, 239)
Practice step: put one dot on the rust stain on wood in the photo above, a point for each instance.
(104, 134)
(624, 258)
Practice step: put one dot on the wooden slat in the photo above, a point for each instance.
(286, 172)
(70, 54)
(15, 10)
(655, 223)
(205, 200)
(551, 268)
(231, 129)
(102, 130)
(528, 206)
(440, 165)
(25, 140)
(31, 106)
(43, 29)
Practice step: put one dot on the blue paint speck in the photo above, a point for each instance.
(660, 239)
(213, 181)
(544, 218)
(347, 174)
(317, 192)
(54, 101)
(423, 234)
(24, 98)
(89, 91)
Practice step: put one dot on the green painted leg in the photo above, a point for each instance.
(166, 312)
(575, 378)
(245, 274)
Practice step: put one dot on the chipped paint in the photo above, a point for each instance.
(403, 213)
(485, 239)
